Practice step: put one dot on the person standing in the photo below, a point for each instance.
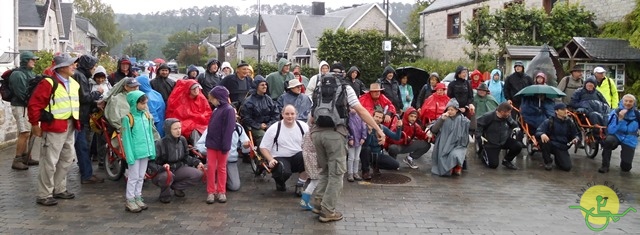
(406, 93)
(555, 135)
(276, 80)
(622, 130)
(461, 90)
(606, 86)
(298, 76)
(571, 83)
(313, 81)
(238, 84)
(218, 144)
(496, 86)
(515, 82)
(210, 78)
(331, 156)
(391, 87)
(427, 90)
(124, 70)
(19, 83)
(162, 83)
(58, 124)
(353, 79)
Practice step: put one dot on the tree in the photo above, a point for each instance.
(413, 23)
(177, 42)
(628, 28)
(192, 54)
(101, 15)
(362, 49)
(137, 50)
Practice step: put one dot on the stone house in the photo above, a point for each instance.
(442, 23)
(85, 37)
(40, 25)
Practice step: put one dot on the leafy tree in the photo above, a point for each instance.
(101, 15)
(362, 49)
(177, 42)
(137, 50)
(413, 22)
(628, 28)
(46, 57)
(192, 54)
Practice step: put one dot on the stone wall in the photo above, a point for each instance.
(608, 10)
(7, 125)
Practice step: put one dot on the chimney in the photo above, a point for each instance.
(317, 8)
(238, 29)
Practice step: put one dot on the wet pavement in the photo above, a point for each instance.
(481, 201)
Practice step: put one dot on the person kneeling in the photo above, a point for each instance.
(556, 134)
(622, 130)
(494, 134)
(372, 153)
(452, 138)
(173, 152)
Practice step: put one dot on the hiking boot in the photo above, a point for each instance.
(548, 166)
(603, 169)
(64, 195)
(376, 171)
(165, 200)
(178, 193)
(316, 208)
(48, 201)
(141, 203)
(93, 180)
(366, 176)
(30, 162)
(509, 165)
(132, 206)
(222, 198)
(350, 178)
(211, 198)
(281, 186)
(357, 177)
(18, 164)
(409, 162)
(328, 216)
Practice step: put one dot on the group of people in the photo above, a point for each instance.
(294, 121)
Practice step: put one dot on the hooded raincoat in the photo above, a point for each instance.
(208, 80)
(118, 75)
(190, 69)
(301, 102)
(156, 104)
(484, 104)
(225, 65)
(357, 84)
(496, 87)
(137, 140)
(452, 138)
(173, 151)
(19, 80)
(194, 113)
(163, 85)
(258, 109)
(313, 81)
(625, 130)
(277, 79)
(476, 83)
(460, 89)
(117, 106)
(433, 106)
(391, 87)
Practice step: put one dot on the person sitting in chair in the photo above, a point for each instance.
(590, 101)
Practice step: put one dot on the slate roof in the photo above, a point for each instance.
(440, 5)
(526, 51)
(351, 15)
(29, 15)
(247, 41)
(279, 27)
(603, 49)
(67, 16)
(82, 23)
(314, 26)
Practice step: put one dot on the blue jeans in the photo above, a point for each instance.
(82, 151)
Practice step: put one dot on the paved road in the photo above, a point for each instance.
(481, 201)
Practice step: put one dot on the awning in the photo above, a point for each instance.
(8, 57)
(302, 52)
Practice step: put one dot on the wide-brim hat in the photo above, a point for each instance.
(483, 87)
(576, 68)
(294, 83)
(375, 87)
(64, 60)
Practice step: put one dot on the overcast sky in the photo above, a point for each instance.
(144, 6)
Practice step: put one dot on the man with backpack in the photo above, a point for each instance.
(606, 86)
(281, 146)
(332, 99)
(571, 83)
(58, 124)
(556, 135)
(19, 84)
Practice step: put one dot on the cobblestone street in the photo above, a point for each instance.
(481, 201)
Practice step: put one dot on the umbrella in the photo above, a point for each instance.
(159, 61)
(548, 91)
(416, 77)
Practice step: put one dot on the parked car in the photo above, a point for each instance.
(173, 66)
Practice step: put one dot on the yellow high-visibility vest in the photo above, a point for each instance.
(65, 105)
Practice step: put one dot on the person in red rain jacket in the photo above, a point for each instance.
(435, 105)
(373, 100)
(476, 79)
(413, 140)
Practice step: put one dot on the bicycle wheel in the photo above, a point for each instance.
(591, 145)
(114, 165)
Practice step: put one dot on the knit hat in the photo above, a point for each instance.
(220, 93)
(591, 79)
(453, 103)
(560, 106)
(164, 66)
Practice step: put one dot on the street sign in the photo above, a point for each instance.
(386, 45)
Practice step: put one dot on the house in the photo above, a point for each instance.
(302, 44)
(523, 54)
(442, 22)
(85, 37)
(68, 27)
(243, 45)
(40, 25)
(217, 42)
(610, 53)
(274, 35)
(8, 46)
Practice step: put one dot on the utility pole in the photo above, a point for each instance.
(386, 33)
(259, 37)
(16, 61)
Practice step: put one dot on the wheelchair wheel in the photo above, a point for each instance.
(256, 166)
(529, 144)
(591, 148)
(114, 165)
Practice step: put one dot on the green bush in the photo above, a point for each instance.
(44, 62)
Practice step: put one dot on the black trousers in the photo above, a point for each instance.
(416, 149)
(562, 157)
(492, 152)
(626, 154)
(287, 166)
(381, 160)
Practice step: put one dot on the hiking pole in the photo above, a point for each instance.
(32, 139)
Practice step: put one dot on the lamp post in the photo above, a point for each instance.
(259, 37)
(386, 32)
(219, 31)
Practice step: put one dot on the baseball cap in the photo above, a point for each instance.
(599, 70)
(132, 82)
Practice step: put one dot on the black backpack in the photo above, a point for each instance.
(5, 90)
(330, 106)
(45, 115)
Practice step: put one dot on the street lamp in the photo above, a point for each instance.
(219, 31)
(259, 36)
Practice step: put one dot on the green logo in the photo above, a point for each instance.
(600, 205)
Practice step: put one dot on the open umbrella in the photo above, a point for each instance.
(159, 61)
(416, 77)
(548, 91)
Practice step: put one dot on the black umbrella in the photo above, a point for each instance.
(416, 77)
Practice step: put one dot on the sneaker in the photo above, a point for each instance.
(509, 165)
(305, 201)
(357, 177)
(410, 163)
(316, 208)
(222, 198)
(18, 164)
(141, 203)
(366, 176)
(64, 195)
(93, 180)
(328, 216)
(165, 200)
(48, 201)
(350, 178)
(211, 198)
(178, 193)
(132, 206)
(548, 166)
(603, 169)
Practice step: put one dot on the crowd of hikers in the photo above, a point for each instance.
(324, 127)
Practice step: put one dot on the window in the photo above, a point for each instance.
(299, 37)
(263, 42)
(453, 25)
(240, 55)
